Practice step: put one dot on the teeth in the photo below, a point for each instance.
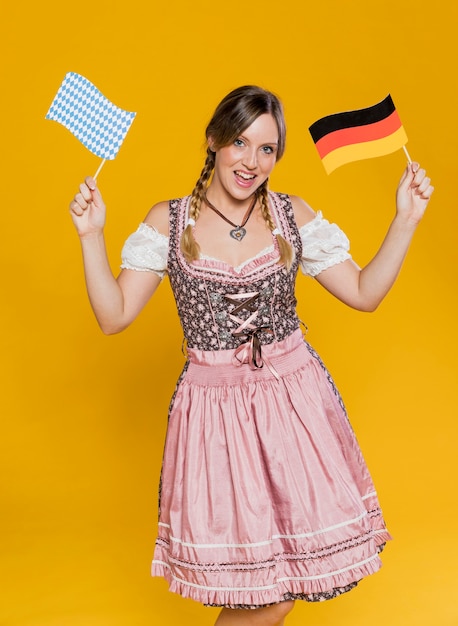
(245, 176)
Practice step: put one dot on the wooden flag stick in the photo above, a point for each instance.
(99, 168)
(409, 160)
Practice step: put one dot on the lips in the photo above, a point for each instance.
(245, 179)
(245, 175)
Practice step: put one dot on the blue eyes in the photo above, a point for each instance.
(266, 149)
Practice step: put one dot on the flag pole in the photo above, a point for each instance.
(99, 168)
(409, 160)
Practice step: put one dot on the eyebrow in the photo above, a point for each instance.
(265, 143)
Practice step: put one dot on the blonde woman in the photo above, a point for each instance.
(265, 495)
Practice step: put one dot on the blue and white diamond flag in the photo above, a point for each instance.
(99, 124)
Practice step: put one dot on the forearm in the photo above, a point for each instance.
(412, 197)
(378, 276)
(105, 294)
(364, 289)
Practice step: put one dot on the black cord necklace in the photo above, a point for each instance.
(238, 232)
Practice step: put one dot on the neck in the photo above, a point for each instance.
(228, 204)
(248, 212)
(238, 230)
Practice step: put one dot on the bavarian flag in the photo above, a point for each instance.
(99, 124)
(361, 134)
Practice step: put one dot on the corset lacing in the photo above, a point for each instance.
(250, 352)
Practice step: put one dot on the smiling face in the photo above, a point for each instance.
(242, 166)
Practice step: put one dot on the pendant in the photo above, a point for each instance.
(238, 233)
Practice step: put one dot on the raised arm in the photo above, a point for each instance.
(364, 289)
(116, 302)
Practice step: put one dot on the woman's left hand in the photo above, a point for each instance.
(413, 193)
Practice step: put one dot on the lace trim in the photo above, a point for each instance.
(319, 596)
(324, 245)
(267, 256)
(146, 250)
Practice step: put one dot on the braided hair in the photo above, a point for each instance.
(189, 246)
(236, 112)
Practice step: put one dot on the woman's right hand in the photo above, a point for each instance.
(87, 209)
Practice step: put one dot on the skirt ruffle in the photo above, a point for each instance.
(265, 493)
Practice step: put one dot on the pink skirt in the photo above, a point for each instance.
(265, 493)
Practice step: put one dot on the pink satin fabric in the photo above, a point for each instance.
(264, 488)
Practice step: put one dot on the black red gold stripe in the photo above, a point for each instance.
(354, 135)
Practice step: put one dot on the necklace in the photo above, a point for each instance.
(238, 232)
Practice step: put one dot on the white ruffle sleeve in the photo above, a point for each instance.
(323, 245)
(146, 250)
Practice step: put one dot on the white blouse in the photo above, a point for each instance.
(323, 245)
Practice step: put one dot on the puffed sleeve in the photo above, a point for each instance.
(323, 245)
(146, 250)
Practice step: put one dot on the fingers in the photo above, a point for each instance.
(425, 189)
(81, 201)
(421, 183)
(78, 206)
(414, 179)
(90, 182)
(88, 194)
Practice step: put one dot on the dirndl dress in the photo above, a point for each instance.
(265, 495)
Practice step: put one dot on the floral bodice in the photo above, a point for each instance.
(221, 307)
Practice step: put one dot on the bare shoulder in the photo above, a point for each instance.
(158, 216)
(303, 212)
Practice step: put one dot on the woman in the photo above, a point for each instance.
(265, 495)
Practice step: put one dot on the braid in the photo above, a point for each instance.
(189, 246)
(286, 251)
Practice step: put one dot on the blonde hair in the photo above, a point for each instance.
(234, 114)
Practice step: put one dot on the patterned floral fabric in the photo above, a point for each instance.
(203, 297)
(323, 245)
(248, 313)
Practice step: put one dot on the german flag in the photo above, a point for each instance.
(361, 134)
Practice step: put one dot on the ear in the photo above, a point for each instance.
(211, 144)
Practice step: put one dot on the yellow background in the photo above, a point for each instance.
(83, 415)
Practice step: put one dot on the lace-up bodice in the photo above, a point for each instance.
(219, 307)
